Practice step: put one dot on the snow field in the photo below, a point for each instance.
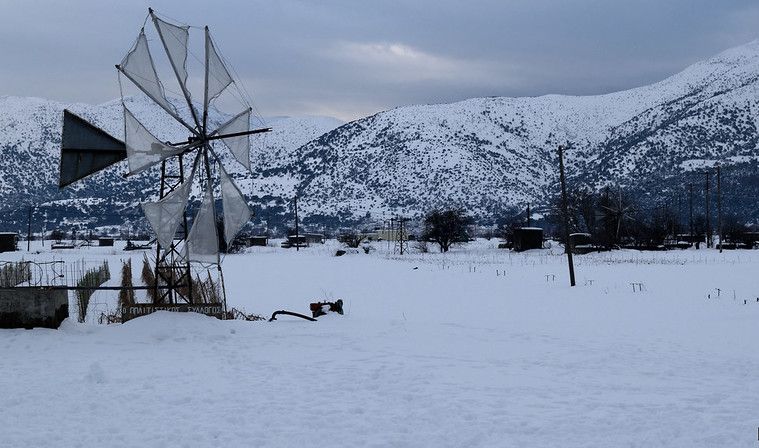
(435, 350)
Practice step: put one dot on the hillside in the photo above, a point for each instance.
(491, 154)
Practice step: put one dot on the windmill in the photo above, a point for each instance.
(87, 149)
(617, 212)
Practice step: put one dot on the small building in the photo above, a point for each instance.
(391, 235)
(105, 242)
(314, 238)
(688, 238)
(526, 238)
(8, 241)
(748, 240)
(676, 243)
(374, 235)
(294, 241)
(582, 243)
(259, 240)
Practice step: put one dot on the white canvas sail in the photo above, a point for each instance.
(138, 66)
(236, 211)
(143, 148)
(217, 75)
(239, 146)
(175, 40)
(202, 244)
(167, 214)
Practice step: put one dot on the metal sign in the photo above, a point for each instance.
(142, 309)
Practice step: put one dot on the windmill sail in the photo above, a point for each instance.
(143, 148)
(236, 211)
(85, 149)
(217, 75)
(203, 241)
(239, 145)
(175, 39)
(138, 66)
(167, 214)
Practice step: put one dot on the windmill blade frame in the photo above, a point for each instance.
(163, 27)
(199, 243)
(145, 77)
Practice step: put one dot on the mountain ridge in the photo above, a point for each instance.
(488, 155)
(499, 153)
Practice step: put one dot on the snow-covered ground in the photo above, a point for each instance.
(475, 348)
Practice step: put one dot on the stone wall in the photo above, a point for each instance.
(30, 307)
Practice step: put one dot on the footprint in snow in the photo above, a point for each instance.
(96, 375)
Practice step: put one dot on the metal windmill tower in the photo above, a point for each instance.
(87, 149)
(400, 234)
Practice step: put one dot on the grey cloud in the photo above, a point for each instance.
(352, 58)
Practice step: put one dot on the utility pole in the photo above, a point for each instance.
(690, 205)
(708, 215)
(29, 230)
(389, 234)
(400, 233)
(297, 239)
(44, 228)
(719, 206)
(528, 216)
(564, 206)
(401, 221)
(679, 219)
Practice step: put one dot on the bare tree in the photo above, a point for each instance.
(351, 239)
(733, 228)
(446, 227)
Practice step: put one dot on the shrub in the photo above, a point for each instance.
(91, 279)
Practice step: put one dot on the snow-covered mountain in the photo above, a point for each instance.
(490, 154)
(279, 148)
(487, 155)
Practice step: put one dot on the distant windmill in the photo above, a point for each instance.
(617, 210)
(86, 149)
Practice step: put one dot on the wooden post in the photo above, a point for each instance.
(708, 215)
(719, 207)
(564, 206)
(29, 231)
(678, 219)
(297, 239)
(400, 234)
(528, 216)
(690, 205)
(393, 234)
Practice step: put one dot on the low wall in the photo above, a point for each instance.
(31, 307)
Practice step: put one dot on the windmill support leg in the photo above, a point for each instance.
(223, 290)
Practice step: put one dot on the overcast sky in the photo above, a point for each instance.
(353, 58)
